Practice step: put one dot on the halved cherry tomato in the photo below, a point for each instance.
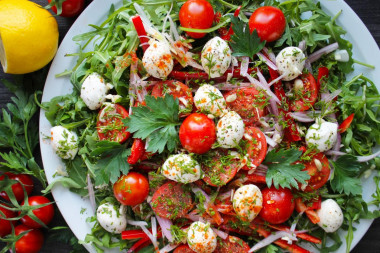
(247, 102)
(307, 97)
(256, 146)
(131, 189)
(70, 8)
(346, 123)
(137, 151)
(45, 214)
(17, 189)
(319, 170)
(232, 244)
(197, 14)
(278, 205)
(109, 125)
(5, 225)
(269, 22)
(197, 133)
(31, 242)
(178, 90)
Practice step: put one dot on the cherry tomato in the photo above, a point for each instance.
(256, 146)
(17, 189)
(319, 170)
(197, 14)
(248, 104)
(70, 8)
(31, 242)
(5, 225)
(131, 189)
(45, 214)
(197, 133)
(305, 98)
(278, 205)
(269, 23)
(109, 125)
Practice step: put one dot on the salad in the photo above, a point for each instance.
(198, 126)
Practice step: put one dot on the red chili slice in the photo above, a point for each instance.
(109, 125)
(256, 146)
(346, 123)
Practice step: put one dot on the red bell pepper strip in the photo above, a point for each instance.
(231, 31)
(303, 236)
(323, 74)
(311, 214)
(181, 75)
(138, 244)
(133, 234)
(139, 26)
(137, 151)
(346, 123)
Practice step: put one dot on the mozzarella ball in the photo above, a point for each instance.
(181, 168)
(322, 135)
(330, 215)
(248, 201)
(209, 99)
(201, 238)
(216, 57)
(94, 91)
(112, 219)
(230, 130)
(158, 60)
(64, 142)
(290, 61)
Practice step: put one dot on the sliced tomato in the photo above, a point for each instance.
(171, 201)
(137, 151)
(232, 244)
(178, 90)
(109, 125)
(220, 169)
(306, 98)
(184, 248)
(256, 146)
(346, 123)
(319, 170)
(249, 104)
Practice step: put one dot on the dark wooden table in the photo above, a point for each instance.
(368, 11)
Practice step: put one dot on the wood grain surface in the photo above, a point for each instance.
(367, 10)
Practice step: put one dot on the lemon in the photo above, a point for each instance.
(28, 36)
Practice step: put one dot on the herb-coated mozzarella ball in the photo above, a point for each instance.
(290, 61)
(112, 218)
(209, 99)
(248, 201)
(64, 142)
(158, 60)
(322, 135)
(216, 57)
(230, 130)
(330, 215)
(94, 91)
(201, 238)
(181, 168)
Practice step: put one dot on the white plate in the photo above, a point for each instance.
(71, 204)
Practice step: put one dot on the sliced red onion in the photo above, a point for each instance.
(270, 141)
(364, 159)
(302, 45)
(267, 90)
(272, 238)
(335, 153)
(273, 107)
(276, 80)
(173, 28)
(294, 224)
(142, 14)
(165, 225)
(224, 195)
(196, 189)
(168, 248)
(261, 77)
(244, 66)
(220, 233)
(327, 97)
(91, 193)
(151, 237)
(337, 144)
(193, 217)
(230, 86)
(137, 223)
(308, 66)
(326, 50)
(154, 227)
(301, 117)
(270, 54)
(267, 61)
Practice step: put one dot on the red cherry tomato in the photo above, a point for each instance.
(256, 146)
(31, 242)
(269, 23)
(17, 189)
(197, 133)
(5, 225)
(70, 8)
(278, 205)
(319, 170)
(131, 189)
(45, 214)
(109, 125)
(197, 14)
(307, 97)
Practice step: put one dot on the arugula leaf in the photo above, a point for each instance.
(157, 122)
(244, 43)
(77, 172)
(282, 172)
(345, 177)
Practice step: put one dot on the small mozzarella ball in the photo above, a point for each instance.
(290, 61)
(201, 238)
(209, 99)
(94, 91)
(112, 219)
(322, 135)
(158, 60)
(330, 215)
(248, 201)
(64, 142)
(230, 130)
(181, 168)
(216, 57)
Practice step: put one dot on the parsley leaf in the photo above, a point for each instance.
(345, 177)
(244, 43)
(282, 171)
(157, 121)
